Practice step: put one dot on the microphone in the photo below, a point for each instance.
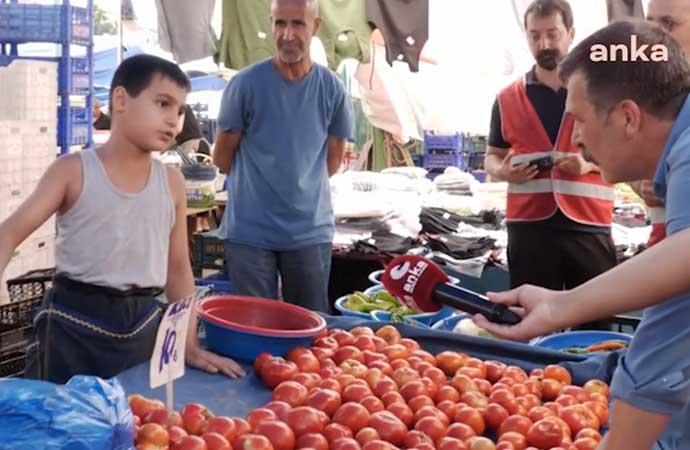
(423, 286)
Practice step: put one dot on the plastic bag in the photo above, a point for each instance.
(87, 413)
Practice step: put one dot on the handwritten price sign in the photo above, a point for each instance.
(167, 362)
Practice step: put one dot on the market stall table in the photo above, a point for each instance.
(237, 397)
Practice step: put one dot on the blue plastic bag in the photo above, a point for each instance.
(87, 413)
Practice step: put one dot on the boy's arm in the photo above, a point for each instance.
(44, 201)
(180, 284)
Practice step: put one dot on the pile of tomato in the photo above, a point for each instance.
(376, 390)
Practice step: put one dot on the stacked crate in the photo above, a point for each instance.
(28, 146)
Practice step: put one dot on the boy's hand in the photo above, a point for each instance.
(210, 362)
(537, 306)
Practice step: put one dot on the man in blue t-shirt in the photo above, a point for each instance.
(632, 118)
(283, 126)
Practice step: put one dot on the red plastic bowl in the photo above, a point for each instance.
(260, 316)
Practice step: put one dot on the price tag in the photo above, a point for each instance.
(167, 362)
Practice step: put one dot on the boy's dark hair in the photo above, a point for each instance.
(135, 74)
(658, 87)
(544, 8)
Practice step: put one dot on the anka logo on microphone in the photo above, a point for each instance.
(398, 272)
(411, 274)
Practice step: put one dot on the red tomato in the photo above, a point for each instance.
(425, 356)
(431, 411)
(260, 360)
(424, 366)
(463, 383)
(215, 441)
(290, 392)
(362, 331)
(389, 333)
(162, 417)
(432, 427)
(412, 389)
(331, 384)
(380, 343)
(475, 400)
(352, 415)
(579, 417)
(345, 444)
(342, 337)
(385, 385)
(378, 445)
(324, 400)
(447, 393)
(322, 353)
(586, 443)
(519, 390)
(304, 419)
(495, 415)
(506, 399)
(518, 440)
(410, 344)
(364, 343)
(448, 408)
(258, 415)
(450, 362)
(481, 443)
(534, 387)
(558, 373)
(540, 412)
(505, 445)
(279, 433)
(326, 342)
(588, 433)
(431, 387)
(449, 443)
(537, 373)
(471, 417)
(404, 375)
(396, 351)
(384, 366)
(436, 375)
(277, 370)
(416, 437)
(597, 397)
(152, 433)
(576, 391)
(356, 392)
(517, 423)
(367, 434)
(484, 386)
(507, 381)
(461, 431)
(296, 352)
(516, 373)
(317, 441)
(550, 388)
(600, 410)
(307, 379)
(348, 352)
(545, 434)
(373, 376)
(354, 368)
(597, 386)
(554, 407)
(335, 431)
(224, 426)
(248, 442)
(242, 427)
(193, 443)
(472, 372)
(345, 379)
(402, 412)
(372, 404)
(495, 370)
(421, 401)
(392, 397)
(389, 427)
(566, 400)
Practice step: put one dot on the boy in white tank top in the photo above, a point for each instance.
(122, 237)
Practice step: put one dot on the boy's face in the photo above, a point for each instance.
(151, 120)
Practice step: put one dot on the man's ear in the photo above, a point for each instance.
(118, 101)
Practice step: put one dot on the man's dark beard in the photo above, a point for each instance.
(548, 59)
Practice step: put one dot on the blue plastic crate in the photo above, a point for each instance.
(441, 160)
(44, 23)
(219, 283)
(74, 125)
(443, 141)
(74, 77)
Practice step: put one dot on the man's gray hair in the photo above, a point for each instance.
(314, 4)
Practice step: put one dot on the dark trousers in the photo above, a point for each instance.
(83, 329)
(557, 259)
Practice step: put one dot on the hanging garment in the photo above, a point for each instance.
(405, 28)
(344, 31)
(185, 30)
(246, 37)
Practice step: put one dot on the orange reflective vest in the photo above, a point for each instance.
(586, 199)
(657, 216)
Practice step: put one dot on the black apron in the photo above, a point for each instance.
(92, 330)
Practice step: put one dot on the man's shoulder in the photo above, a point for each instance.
(328, 76)
(250, 73)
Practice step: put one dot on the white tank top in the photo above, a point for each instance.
(113, 238)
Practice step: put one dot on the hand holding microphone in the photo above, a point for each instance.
(423, 286)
